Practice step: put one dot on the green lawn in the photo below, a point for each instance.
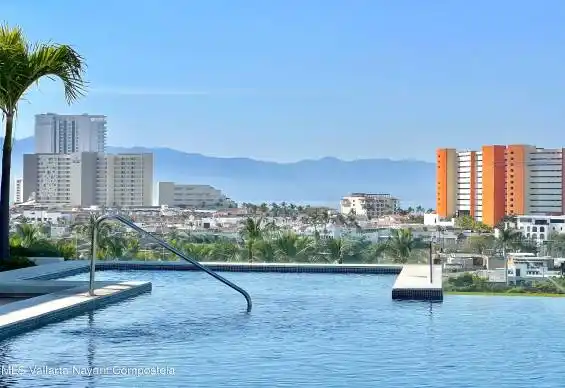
(481, 293)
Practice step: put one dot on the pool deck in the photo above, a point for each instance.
(413, 283)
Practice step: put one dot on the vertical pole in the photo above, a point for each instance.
(93, 253)
(431, 263)
(505, 263)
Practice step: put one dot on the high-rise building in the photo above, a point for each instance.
(129, 180)
(66, 134)
(500, 180)
(88, 178)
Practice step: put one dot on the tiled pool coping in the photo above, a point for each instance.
(25, 315)
(55, 300)
(384, 269)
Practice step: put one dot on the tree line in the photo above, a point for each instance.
(257, 241)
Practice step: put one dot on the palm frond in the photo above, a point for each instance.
(23, 64)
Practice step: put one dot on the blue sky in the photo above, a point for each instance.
(286, 80)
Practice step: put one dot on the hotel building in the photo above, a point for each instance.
(369, 205)
(500, 180)
(66, 134)
(89, 179)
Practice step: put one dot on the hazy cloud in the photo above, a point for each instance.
(119, 91)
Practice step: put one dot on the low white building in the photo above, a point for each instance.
(192, 196)
(527, 266)
(540, 227)
(45, 216)
(433, 219)
(369, 205)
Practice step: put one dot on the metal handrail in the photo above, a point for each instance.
(162, 243)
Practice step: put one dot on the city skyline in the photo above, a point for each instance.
(277, 84)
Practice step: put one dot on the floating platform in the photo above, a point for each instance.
(413, 283)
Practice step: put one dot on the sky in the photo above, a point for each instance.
(285, 80)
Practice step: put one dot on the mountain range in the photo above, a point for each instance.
(321, 181)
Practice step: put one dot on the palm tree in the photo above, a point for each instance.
(22, 65)
(86, 229)
(114, 247)
(132, 246)
(289, 247)
(337, 250)
(252, 232)
(225, 251)
(506, 237)
(339, 220)
(401, 244)
(374, 252)
(264, 209)
(29, 235)
(67, 249)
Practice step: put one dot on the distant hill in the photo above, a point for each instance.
(322, 181)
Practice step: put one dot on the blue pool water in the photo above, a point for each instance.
(306, 330)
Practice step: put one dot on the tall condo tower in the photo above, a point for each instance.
(66, 134)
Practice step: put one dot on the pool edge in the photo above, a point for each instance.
(44, 310)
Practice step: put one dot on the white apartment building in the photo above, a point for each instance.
(88, 179)
(469, 188)
(129, 180)
(192, 196)
(66, 134)
(369, 205)
(538, 227)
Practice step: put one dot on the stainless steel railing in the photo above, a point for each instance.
(163, 244)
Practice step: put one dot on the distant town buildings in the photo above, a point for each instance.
(192, 196)
(369, 205)
(66, 134)
(500, 180)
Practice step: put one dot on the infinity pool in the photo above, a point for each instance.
(306, 330)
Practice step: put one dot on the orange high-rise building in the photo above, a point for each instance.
(500, 180)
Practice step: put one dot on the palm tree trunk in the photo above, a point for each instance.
(5, 189)
(250, 252)
(505, 264)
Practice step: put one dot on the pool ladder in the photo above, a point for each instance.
(163, 244)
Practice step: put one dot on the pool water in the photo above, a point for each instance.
(305, 330)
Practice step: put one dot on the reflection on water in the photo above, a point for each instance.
(91, 348)
(306, 330)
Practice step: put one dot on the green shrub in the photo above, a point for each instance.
(516, 290)
(44, 249)
(16, 262)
